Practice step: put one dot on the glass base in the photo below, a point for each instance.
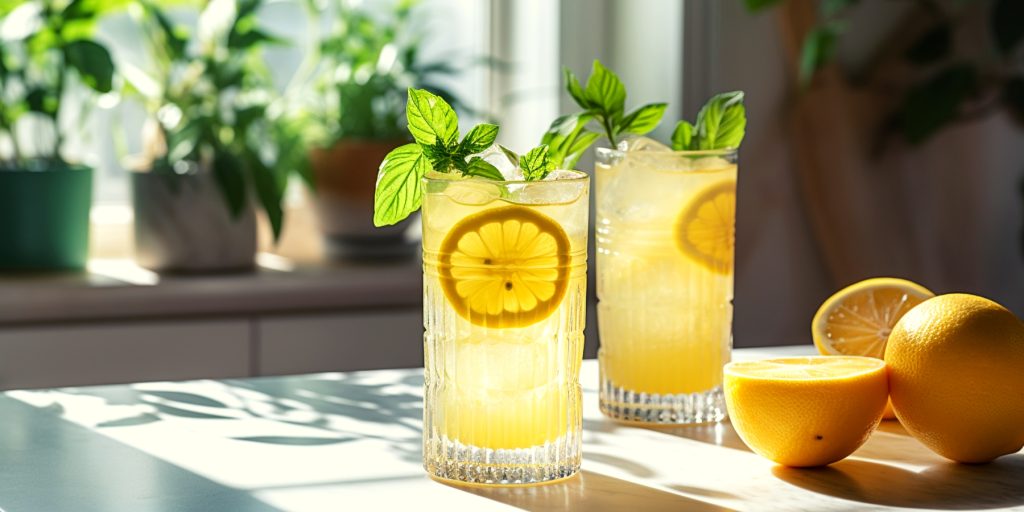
(682, 409)
(457, 463)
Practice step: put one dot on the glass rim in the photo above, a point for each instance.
(681, 152)
(580, 176)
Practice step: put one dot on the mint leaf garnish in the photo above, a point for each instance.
(604, 91)
(479, 167)
(568, 138)
(644, 119)
(431, 119)
(682, 135)
(536, 164)
(721, 124)
(478, 139)
(603, 101)
(398, 191)
(512, 157)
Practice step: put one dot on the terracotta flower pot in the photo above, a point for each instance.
(345, 175)
(182, 224)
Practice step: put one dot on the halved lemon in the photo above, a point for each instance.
(806, 411)
(857, 320)
(505, 267)
(706, 229)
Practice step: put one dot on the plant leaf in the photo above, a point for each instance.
(431, 118)
(722, 121)
(682, 137)
(934, 45)
(269, 190)
(605, 91)
(93, 63)
(480, 167)
(227, 170)
(512, 157)
(572, 84)
(398, 191)
(643, 119)
(567, 139)
(252, 37)
(535, 164)
(759, 5)
(1007, 24)
(818, 48)
(481, 137)
(929, 106)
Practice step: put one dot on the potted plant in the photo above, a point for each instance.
(46, 50)
(208, 146)
(365, 64)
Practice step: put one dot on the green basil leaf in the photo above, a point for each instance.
(398, 192)
(243, 40)
(481, 137)
(480, 167)
(682, 136)
(722, 121)
(567, 139)
(605, 91)
(535, 163)
(93, 63)
(431, 118)
(644, 119)
(572, 84)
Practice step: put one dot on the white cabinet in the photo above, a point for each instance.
(83, 354)
(340, 341)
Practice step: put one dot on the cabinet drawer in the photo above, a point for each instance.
(87, 354)
(341, 342)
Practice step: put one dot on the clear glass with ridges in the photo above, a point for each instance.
(504, 310)
(665, 238)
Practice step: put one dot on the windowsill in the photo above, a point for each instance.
(117, 289)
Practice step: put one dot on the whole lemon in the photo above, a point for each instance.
(956, 377)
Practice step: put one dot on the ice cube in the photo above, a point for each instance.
(639, 143)
(496, 157)
(473, 191)
(567, 191)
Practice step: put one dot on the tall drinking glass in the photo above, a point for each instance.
(665, 237)
(504, 289)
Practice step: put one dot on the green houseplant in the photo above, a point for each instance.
(209, 148)
(364, 65)
(46, 50)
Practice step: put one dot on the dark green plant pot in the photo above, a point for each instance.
(44, 218)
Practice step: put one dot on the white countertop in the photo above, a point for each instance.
(352, 442)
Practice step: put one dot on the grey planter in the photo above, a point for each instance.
(182, 224)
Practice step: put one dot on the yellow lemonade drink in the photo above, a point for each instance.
(504, 284)
(665, 237)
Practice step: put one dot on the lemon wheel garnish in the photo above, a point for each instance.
(505, 267)
(706, 229)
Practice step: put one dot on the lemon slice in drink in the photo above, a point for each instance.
(505, 267)
(706, 229)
